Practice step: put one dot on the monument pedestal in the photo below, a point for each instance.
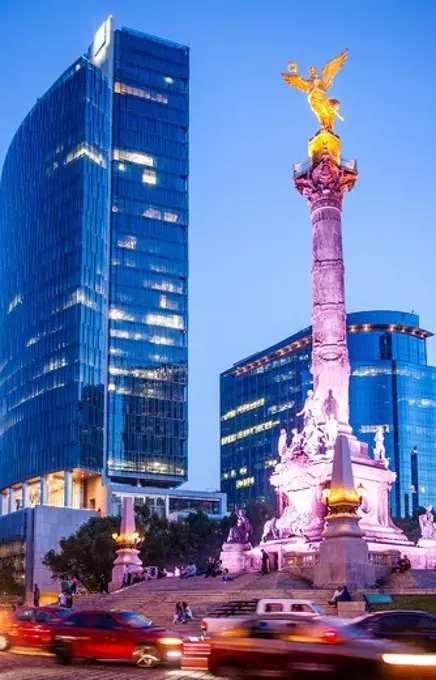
(344, 560)
(235, 556)
(126, 557)
(343, 554)
(127, 540)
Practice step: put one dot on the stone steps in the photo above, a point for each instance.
(157, 599)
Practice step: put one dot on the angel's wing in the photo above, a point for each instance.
(332, 67)
(297, 81)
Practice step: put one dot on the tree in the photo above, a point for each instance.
(410, 525)
(10, 584)
(90, 552)
(258, 512)
(87, 554)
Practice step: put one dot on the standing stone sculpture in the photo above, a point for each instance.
(379, 449)
(282, 443)
(312, 409)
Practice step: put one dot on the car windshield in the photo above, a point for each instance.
(61, 613)
(134, 620)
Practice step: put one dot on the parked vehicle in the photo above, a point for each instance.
(412, 627)
(31, 627)
(236, 612)
(301, 647)
(115, 636)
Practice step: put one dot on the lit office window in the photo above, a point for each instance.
(133, 157)
(82, 151)
(129, 242)
(171, 321)
(149, 177)
(152, 213)
(119, 88)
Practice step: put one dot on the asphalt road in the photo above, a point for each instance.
(28, 667)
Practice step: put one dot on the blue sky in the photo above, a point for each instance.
(250, 231)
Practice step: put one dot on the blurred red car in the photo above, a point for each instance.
(31, 627)
(321, 647)
(114, 636)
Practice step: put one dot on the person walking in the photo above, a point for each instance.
(62, 599)
(129, 575)
(103, 585)
(36, 595)
(264, 559)
(69, 600)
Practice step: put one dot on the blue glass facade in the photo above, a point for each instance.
(149, 260)
(93, 275)
(53, 281)
(391, 385)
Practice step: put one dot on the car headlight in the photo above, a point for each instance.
(170, 641)
(423, 660)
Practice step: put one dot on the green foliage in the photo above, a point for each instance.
(410, 525)
(258, 513)
(90, 552)
(425, 603)
(10, 584)
(87, 554)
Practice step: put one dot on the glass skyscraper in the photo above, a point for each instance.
(93, 279)
(391, 385)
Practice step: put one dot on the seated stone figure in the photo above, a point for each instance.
(427, 524)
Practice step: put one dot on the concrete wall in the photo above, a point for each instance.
(46, 526)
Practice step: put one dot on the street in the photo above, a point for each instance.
(35, 667)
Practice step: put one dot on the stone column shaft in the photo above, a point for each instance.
(324, 184)
(68, 489)
(43, 493)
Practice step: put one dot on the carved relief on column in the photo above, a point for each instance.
(323, 185)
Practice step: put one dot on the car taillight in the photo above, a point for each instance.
(170, 641)
(203, 626)
(331, 636)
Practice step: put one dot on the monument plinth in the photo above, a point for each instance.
(127, 541)
(343, 554)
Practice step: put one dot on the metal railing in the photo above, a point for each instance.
(346, 163)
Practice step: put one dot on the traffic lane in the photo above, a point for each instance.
(35, 667)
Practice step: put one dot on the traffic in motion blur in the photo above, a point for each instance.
(96, 635)
(299, 647)
(299, 643)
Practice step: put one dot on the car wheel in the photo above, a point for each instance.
(62, 653)
(147, 656)
(4, 643)
(232, 672)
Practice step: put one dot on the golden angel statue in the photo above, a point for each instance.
(325, 109)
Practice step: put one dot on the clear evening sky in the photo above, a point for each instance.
(250, 280)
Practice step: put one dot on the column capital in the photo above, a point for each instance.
(325, 182)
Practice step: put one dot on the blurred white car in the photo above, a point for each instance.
(234, 613)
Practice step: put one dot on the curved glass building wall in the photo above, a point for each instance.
(93, 279)
(391, 385)
(53, 281)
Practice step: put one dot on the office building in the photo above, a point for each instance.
(93, 289)
(391, 385)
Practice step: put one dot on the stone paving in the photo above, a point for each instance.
(29, 667)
